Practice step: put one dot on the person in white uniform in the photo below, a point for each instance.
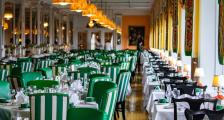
(108, 45)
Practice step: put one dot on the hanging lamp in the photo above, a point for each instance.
(90, 11)
(78, 5)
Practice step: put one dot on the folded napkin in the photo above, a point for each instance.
(74, 99)
(77, 85)
(21, 98)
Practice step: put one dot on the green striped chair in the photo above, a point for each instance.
(48, 106)
(111, 70)
(41, 84)
(95, 78)
(47, 72)
(22, 67)
(14, 82)
(89, 70)
(123, 82)
(4, 90)
(133, 63)
(125, 65)
(105, 94)
(8, 67)
(29, 76)
(86, 114)
(58, 69)
(3, 74)
(43, 64)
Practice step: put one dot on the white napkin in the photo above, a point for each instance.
(74, 99)
(77, 85)
(21, 98)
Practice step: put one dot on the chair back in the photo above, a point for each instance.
(214, 115)
(4, 90)
(123, 82)
(48, 106)
(194, 105)
(41, 84)
(25, 66)
(133, 63)
(105, 94)
(111, 70)
(43, 64)
(29, 76)
(96, 78)
(3, 74)
(187, 89)
(47, 72)
(125, 65)
(58, 69)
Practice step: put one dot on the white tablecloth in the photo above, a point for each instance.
(148, 87)
(161, 113)
(154, 95)
(16, 111)
(83, 104)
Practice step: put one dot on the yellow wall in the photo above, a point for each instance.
(134, 21)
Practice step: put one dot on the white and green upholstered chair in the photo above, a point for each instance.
(21, 68)
(43, 64)
(48, 106)
(96, 78)
(111, 70)
(3, 74)
(105, 94)
(125, 65)
(29, 76)
(60, 68)
(123, 82)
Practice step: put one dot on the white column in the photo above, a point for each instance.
(23, 20)
(75, 32)
(67, 29)
(102, 36)
(14, 24)
(89, 35)
(207, 40)
(38, 24)
(2, 49)
(51, 26)
(31, 27)
(60, 29)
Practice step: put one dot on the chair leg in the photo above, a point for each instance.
(123, 110)
(117, 114)
(115, 118)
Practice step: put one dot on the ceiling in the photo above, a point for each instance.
(125, 7)
(121, 7)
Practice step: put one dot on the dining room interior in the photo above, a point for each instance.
(111, 60)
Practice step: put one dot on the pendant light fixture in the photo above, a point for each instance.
(91, 23)
(62, 2)
(90, 11)
(8, 15)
